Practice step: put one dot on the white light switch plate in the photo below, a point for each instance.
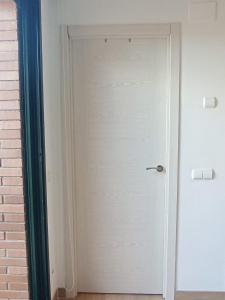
(209, 102)
(202, 174)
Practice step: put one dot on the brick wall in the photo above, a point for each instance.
(13, 263)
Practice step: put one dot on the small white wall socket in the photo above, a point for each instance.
(209, 102)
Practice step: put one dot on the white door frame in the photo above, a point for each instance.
(172, 33)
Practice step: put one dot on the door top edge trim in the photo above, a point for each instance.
(120, 30)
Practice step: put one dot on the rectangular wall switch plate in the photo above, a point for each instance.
(202, 174)
(209, 102)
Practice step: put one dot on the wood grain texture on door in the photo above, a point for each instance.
(120, 99)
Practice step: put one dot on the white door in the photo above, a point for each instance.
(121, 99)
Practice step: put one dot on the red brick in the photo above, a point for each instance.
(10, 172)
(13, 199)
(11, 227)
(15, 236)
(14, 295)
(12, 208)
(9, 95)
(9, 66)
(10, 153)
(16, 253)
(9, 85)
(11, 190)
(9, 56)
(9, 105)
(10, 144)
(3, 270)
(14, 218)
(9, 75)
(13, 278)
(9, 115)
(17, 270)
(15, 262)
(3, 286)
(8, 35)
(8, 25)
(12, 245)
(13, 256)
(18, 286)
(11, 162)
(9, 134)
(10, 124)
(8, 45)
(12, 181)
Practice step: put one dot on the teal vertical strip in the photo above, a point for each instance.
(31, 90)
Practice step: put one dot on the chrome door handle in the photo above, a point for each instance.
(159, 168)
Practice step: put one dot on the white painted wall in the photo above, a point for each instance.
(51, 79)
(201, 242)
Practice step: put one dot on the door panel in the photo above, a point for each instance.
(120, 98)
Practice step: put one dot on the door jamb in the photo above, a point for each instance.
(172, 31)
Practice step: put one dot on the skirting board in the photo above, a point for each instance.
(61, 295)
(55, 297)
(200, 296)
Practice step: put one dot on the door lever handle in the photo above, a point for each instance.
(159, 168)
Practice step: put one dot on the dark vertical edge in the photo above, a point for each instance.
(32, 115)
